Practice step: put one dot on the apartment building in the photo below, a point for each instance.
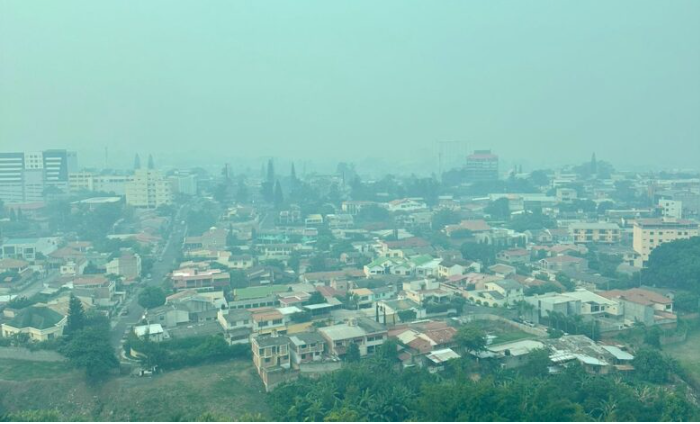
(148, 190)
(650, 233)
(595, 232)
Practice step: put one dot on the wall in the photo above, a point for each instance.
(28, 355)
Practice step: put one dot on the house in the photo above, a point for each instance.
(212, 239)
(438, 358)
(425, 290)
(64, 255)
(235, 261)
(278, 251)
(511, 290)
(13, 265)
(425, 265)
(579, 302)
(557, 264)
(388, 311)
(452, 267)
(200, 306)
(96, 290)
(151, 332)
(187, 278)
(387, 266)
(473, 226)
(353, 207)
(72, 268)
(541, 236)
(268, 320)
(363, 332)
(645, 306)
(502, 270)
(272, 359)
(514, 354)
(407, 205)
(306, 347)
(398, 248)
(168, 316)
(364, 297)
(514, 256)
(237, 324)
(422, 338)
(327, 277)
(498, 293)
(340, 221)
(39, 323)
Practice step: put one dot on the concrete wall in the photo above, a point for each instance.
(29, 355)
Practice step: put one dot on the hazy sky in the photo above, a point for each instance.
(537, 81)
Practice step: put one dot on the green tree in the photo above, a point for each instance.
(76, 316)
(316, 298)
(652, 337)
(537, 364)
(353, 353)
(444, 217)
(407, 316)
(151, 297)
(652, 366)
(90, 349)
(499, 209)
(471, 338)
(278, 196)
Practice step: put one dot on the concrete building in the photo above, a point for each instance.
(595, 232)
(127, 265)
(183, 184)
(272, 359)
(24, 177)
(652, 232)
(28, 248)
(88, 181)
(671, 208)
(148, 190)
(482, 165)
(363, 332)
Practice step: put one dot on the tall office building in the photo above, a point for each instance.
(24, 177)
(148, 189)
(482, 165)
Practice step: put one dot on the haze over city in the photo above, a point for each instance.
(349, 211)
(541, 83)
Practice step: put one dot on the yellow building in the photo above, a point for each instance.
(39, 323)
(148, 190)
(652, 232)
(595, 232)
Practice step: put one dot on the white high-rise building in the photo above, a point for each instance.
(148, 189)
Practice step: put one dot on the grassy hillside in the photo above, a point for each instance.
(687, 353)
(227, 389)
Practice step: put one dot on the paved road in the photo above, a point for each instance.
(162, 266)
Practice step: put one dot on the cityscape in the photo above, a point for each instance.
(321, 211)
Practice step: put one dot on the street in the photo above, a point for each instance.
(162, 266)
